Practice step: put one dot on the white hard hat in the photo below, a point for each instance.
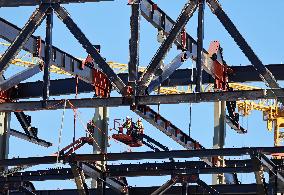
(127, 117)
(139, 119)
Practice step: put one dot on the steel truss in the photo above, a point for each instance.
(134, 88)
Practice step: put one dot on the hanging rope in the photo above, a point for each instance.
(74, 121)
(60, 131)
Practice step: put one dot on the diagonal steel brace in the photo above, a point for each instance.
(185, 15)
(264, 73)
(86, 44)
(35, 20)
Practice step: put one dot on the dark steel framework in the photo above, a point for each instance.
(134, 88)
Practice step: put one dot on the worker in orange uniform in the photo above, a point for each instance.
(128, 125)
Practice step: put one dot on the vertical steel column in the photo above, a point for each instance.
(259, 175)
(134, 44)
(35, 20)
(219, 135)
(184, 189)
(100, 121)
(5, 118)
(200, 35)
(48, 55)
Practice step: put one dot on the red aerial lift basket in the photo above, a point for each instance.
(127, 139)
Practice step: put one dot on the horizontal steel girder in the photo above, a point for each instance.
(129, 170)
(141, 100)
(174, 190)
(143, 155)
(178, 78)
(17, 3)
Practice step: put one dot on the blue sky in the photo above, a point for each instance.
(107, 24)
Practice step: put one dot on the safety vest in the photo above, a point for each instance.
(127, 125)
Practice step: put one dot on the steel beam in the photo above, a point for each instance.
(184, 189)
(169, 129)
(243, 189)
(95, 173)
(135, 170)
(161, 190)
(163, 22)
(185, 15)
(28, 138)
(19, 77)
(35, 20)
(60, 58)
(57, 87)
(48, 55)
(26, 190)
(208, 188)
(86, 44)
(5, 118)
(16, 3)
(100, 128)
(144, 155)
(25, 122)
(152, 171)
(271, 166)
(141, 100)
(40, 175)
(79, 178)
(200, 35)
(264, 73)
(134, 44)
(59, 104)
(151, 140)
(178, 78)
(206, 96)
(259, 175)
(160, 20)
(168, 70)
(219, 137)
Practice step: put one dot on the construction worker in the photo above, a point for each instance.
(128, 125)
(139, 126)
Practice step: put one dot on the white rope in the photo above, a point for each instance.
(60, 131)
